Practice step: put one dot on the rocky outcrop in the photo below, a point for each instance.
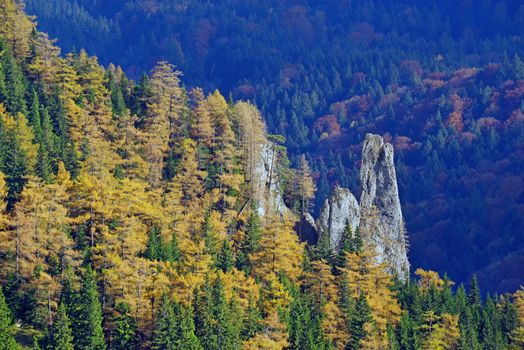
(265, 186)
(339, 208)
(382, 224)
(379, 215)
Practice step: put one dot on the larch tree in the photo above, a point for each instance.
(440, 332)
(517, 336)
(163, 109)
(280, 251)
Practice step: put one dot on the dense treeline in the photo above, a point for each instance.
(128, 222)
(325, 73)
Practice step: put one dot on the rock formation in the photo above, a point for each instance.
(339, 208)
(379, 215)
(382, 224)
(265, 186)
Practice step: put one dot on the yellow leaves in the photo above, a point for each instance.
(23, 132)
(239, 286)
(272, 337)
(365, 275)
(441, 331)
(217, 103)
(430, 279)
(323, 287)
(280, 251)
(517, 336)
(15, 28)
(274, 294)
(334, 325)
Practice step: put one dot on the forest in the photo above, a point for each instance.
(129, 220)
(443, 80)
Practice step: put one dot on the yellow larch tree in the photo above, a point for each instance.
(272, 337)
(252, 136)
(430, 279)
(440, 332)
(365, 275)
(322, 285)
(201, 129)
(280, 251)
(23, 132)
(517, 336)
(44, 61)
(16, 27)
(42, 241)
(163, 109)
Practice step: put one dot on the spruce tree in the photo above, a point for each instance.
(225, 259)
(164, 332)
(172, 249)
(251, 240)
(7, 342)
(345, 245)
(124, 335)
(60, 335)
(87, 327)
(155, 246)
(216, 320)
(359, 316)
(186, 338)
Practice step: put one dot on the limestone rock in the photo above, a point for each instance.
(339, 208)
(265, 186)
(382, 224)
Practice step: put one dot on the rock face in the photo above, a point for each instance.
(340, 208)
(265, 184)
(382, 224)
(379, 215)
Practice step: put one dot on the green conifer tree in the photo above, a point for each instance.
(225, 259)
(7, 342)
(87, 326)
(124, 335)
(60, 335)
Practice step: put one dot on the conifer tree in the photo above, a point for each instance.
(60, 335)
(164, 333)
(216, 322)
(124, 334)
(250, 240)
(225, 259)
(7, 342)
(87, 327)
(359, 317)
